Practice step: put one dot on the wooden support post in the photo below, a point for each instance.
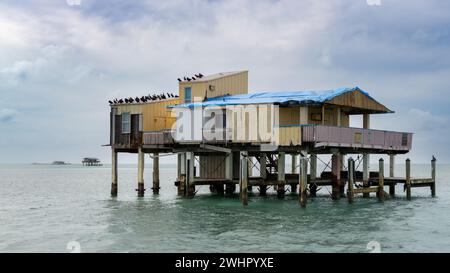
(341, 181)
(381, 180)
(293, 163)
(281, 174)
(336, 176)
(263, 190)
(141, 162)
(366, 173)
(392, 174)
(351, 180)
(366, 158)
(229, 166)
(303, 181)
(243, 177)
(156, 186)
(313, 166)
(408, 179)
(113, 173)
(182, 175)
(190, 174)
(433, 177)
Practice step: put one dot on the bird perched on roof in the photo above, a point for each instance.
(110, 102)
(137, 99)
(185, 78)
(163, 96)
(131, 100)
(179, 80)
(200, 75)
(126, 100)
(121, 101)
(188, 79)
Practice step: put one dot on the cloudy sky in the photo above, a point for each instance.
(61, 60)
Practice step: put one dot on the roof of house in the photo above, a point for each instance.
(294, 97)
(215, 76)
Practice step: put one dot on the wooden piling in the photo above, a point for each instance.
(243, 178)
(408, 179)
(392, 174)
(351, 180)
(433, 177)
(141, 162)
(293, 163)
(190, 174)
(230, 188)
(336, 176)
(281, 175)
(313, 166)
(156, 186)
(366, 173)
(182, 174)
(303, 181)
(381, 180)
(113, 173)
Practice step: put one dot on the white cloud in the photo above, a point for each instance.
(424, 120)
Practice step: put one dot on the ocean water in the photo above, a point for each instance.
(52, 208)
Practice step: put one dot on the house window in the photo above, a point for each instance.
(187, 94)
(126, 123)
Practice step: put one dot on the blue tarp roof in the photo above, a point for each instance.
(302, 97)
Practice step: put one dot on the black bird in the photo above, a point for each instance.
(148, 98)
(137, 99)
(200, 75)
(126, 101)
(131, 100)
(143, 98)
(193, 78)
(158, 97)
(179, 80)
(116, 101)
(185, 78)
(188, 79)
(434, 158)
(154, 97)
(176, 96)
(163, 96)
(110, 102)
(121, 101)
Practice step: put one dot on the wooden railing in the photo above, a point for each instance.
(356, 137)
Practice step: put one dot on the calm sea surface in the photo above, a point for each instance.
(43, 208)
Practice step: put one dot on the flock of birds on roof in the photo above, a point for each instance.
(143, 99)
(195, 77)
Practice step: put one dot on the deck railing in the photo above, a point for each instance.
(356, 137)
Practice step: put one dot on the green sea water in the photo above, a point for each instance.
(50, 208)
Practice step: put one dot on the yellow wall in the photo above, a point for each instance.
(330, 116)
(156, 115)
(231, 84)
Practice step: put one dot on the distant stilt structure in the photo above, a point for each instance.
(433, 177)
